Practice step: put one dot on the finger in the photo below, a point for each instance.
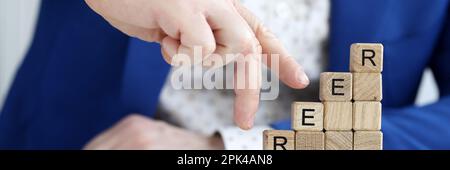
(271, 45)
(194, 38)
(179, 21)
(169, 48)
(247, 83)
(232, 33)
(235, 38)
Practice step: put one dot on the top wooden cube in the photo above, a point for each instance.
(366, 58)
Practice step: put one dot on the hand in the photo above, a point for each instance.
(139, 132)
(220, 27)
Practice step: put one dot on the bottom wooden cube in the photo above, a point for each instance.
(278, 140)
(338, 140)
(368, 140)
(309, 140)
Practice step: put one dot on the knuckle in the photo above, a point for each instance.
(95, 6)
(262, 31)
(134, 122)
(158, 124)
(91, 3)
(133, 117)
(243, 43)
(208, 47)
(143, 140)
(234, 2)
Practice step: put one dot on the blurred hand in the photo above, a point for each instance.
(220, 27)
(138, 132)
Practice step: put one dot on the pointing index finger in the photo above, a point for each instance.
(271, 45)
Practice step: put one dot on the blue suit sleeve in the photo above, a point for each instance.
(418, 127)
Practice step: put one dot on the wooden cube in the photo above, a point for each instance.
(338, 140)
(367, 87)
(278, 140)
(306, 140)
(337, 115)
(368, 140)
(307, 116)
(366, 58)
(335, 86)
(366, 115)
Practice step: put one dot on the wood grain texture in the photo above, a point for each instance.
(368, 140)
(366, 115)
(367, 87)
(338, 140)
(338, 115)
(307, 116)
(335, 86)
(305, 140)
(366, 58)
(278, 140)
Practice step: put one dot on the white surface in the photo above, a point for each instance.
(17, 25)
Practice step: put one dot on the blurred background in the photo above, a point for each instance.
(15, 35)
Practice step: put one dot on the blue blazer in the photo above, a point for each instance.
(81, 75)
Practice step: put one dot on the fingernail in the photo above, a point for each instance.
(250, 123)
(247, 123)
(302, 78)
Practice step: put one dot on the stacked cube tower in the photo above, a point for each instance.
(349, 114)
